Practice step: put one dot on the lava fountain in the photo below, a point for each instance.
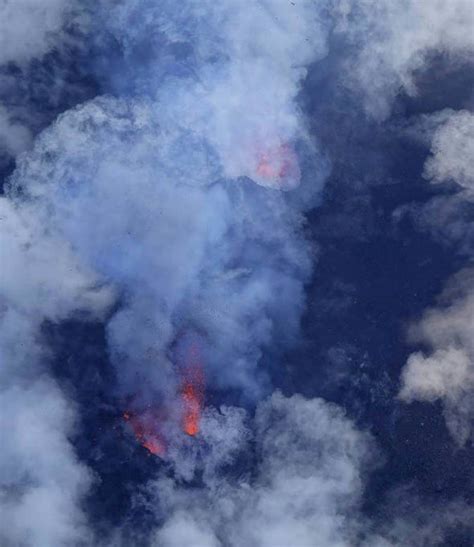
(149, 425)
(145, 427)
(192, 382)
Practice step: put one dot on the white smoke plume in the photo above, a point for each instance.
(175, 204)
(37, 41)
(29, 29)
(14, 137)
(453, 151)
(146, 193)
(41, 481)
(306, 490)
(392, 42)
(150, 199)
(446, 372)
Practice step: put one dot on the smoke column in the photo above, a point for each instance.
(161, 172)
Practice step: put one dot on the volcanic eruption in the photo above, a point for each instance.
(278, 167)
(145, 427)
(149, 425)
(192, 391)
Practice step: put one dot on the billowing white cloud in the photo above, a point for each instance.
(152, 196)
(453, 151)
(14, 136)
(391, 41)
(306, 489)
(141, 204)
(436, 376)
(28, 28)
(446, 371)
(180, 200)
(41, 481)
(450, 134)
(242, 81)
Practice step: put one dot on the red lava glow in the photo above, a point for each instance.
(279, 164)
(192, 397)
(192, 390)
(149, 425)
(145, 430)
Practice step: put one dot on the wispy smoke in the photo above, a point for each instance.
(29, 29)
(447, 371)
(393, 42)
(44, 47)
(453, 151)
(42, 482)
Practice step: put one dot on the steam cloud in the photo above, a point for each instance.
(446, 373)
(307, 486)
(174, 202)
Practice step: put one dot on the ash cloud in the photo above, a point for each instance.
(142, 190)
(133, 200)
(171, 197)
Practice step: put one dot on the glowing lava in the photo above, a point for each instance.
(154, 426)
(192, 387)
(278, 167)
(144, 427)
(192, 397)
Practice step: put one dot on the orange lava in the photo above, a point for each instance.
(192, 389)
(144, 429)
(151, 424)
(192, 399)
